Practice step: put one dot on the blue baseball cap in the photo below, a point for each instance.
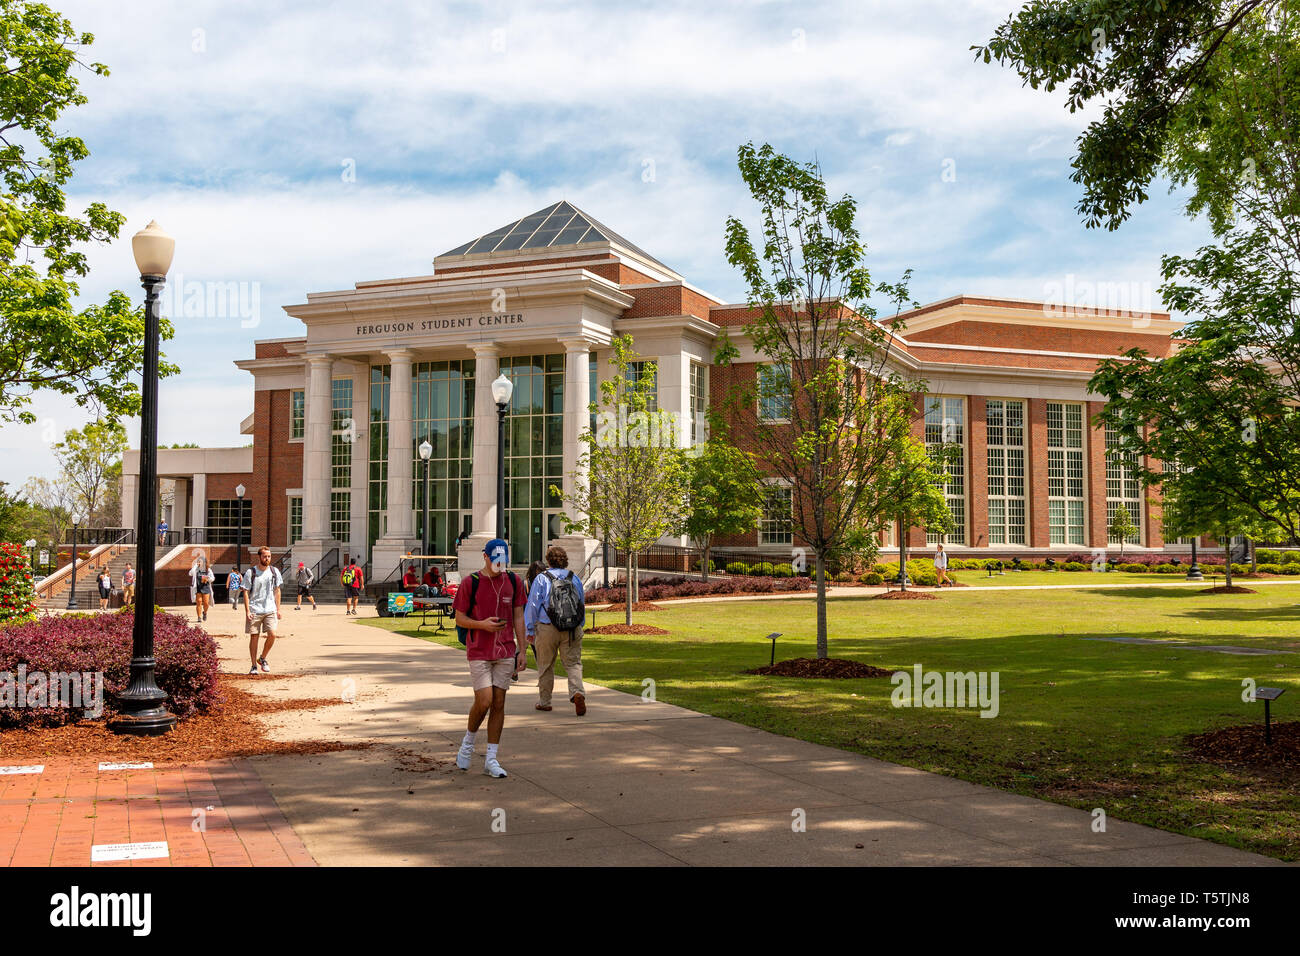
(498, 549)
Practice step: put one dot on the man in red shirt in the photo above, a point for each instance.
(353, 581)
(489, 608)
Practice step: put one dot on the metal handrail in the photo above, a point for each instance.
(320, 569)
(97, 536)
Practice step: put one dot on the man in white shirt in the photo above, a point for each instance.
(261, 607)
(941, 566)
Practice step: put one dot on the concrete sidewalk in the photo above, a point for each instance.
(631, 783)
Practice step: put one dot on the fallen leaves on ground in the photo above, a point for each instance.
(638, 606)
(834, 667)
(1243, 746)
(646, 629)
(1224, 589)
(229, 730)
(904, 596)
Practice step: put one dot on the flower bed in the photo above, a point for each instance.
(186, 658)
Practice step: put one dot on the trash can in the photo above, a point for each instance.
(115, 598)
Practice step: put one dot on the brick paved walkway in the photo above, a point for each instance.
(55, 817)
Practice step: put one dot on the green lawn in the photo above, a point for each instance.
(1084, 722)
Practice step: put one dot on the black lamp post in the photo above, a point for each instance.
(1194, 571)
(239, 531)
(72, 592)
(143, 705)
(426, 451)
(502, 389)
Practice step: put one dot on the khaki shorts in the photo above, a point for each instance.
(487, 674)
(261, 623)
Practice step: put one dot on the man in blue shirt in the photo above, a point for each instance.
(548, 641)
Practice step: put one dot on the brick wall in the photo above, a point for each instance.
(1040, 535)
(1095, 453)
(977, 468)
(1045, 338)
(277, 465)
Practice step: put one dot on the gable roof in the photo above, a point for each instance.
(559, 224)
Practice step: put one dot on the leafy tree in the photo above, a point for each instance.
(46, 342)
(55, 501)
(1174, 82)
(824, 413)
(1193, 506)
(724, 494)
(914, 495)
(1122, 527)
(631, 484)
(90, 459)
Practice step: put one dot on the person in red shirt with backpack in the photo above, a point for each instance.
(353, 581)
(489, 608)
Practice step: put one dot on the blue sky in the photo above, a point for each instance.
(233, 124)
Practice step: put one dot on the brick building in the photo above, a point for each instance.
(339, 413)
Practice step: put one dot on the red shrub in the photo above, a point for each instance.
(186, 659)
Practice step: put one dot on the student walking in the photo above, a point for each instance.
(490, 619)
(201, 578)
(128, 585)
(306, 578)
(105, 583)
(553, 620)
(261, 591)
(941, 566)
(162, 532)
(353, 581)
(234, 584)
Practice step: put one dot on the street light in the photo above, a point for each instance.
(72, 591)
(1194, 571)
(239, 531)
(142, 706)
(30, 545)
(426, 451)
(502, 389)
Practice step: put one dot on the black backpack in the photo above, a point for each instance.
(462, 633)
(565, 608)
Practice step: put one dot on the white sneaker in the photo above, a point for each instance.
(492, 768)
(465, 755)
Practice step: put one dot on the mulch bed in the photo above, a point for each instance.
(1224, 589)
(904, 596)
(833, 667)
(1243, 746)
(231, 729)
(647, 629)
(638, 606)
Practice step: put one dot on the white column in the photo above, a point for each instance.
(198, 492)
(577, 423)
(316, 451)
(360, 456)
(486, 369)
(130, 503)
(577, 417)
(484, 525)
(401, 517)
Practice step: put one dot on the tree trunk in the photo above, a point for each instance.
(631, 588)
(704, 564)
(902, 555)
(1227, 564)
(1254, 562)
(823, 650)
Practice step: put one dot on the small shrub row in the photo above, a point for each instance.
(658, 588)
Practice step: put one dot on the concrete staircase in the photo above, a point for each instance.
(87, 572)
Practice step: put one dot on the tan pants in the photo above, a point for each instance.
(549, 643)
